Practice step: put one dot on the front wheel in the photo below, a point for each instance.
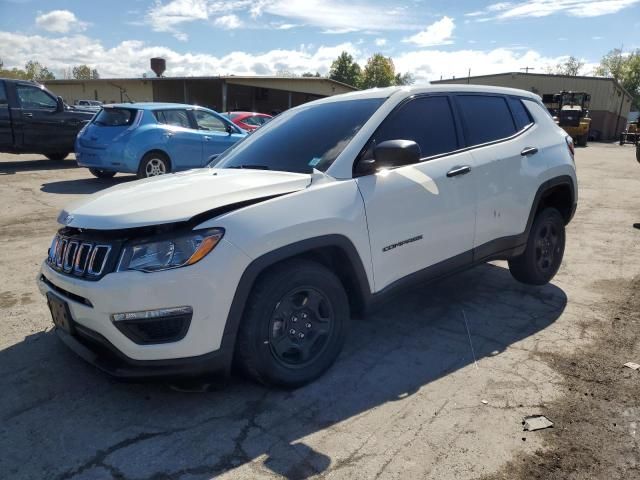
(294, 324)
(545, 248)
(97, 172)
(153, 164)
(57, 157)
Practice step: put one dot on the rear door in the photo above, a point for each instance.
(182, 140)
(6, 133)
(213, 131)
(500, 132)
(423, 214)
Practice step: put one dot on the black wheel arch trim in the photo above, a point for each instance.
(260, 264)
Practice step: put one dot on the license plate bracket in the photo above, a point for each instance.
(60, 313)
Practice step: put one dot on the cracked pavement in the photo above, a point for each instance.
(404, 400)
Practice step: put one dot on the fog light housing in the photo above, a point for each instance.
(164, 325)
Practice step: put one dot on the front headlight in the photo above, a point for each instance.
(171, 253)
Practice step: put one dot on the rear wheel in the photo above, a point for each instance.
(294, 324)
(545, 248)
(57, 157)
(153, 164)
(97, 172)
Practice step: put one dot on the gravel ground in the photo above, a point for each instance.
(404, 400)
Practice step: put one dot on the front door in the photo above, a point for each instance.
(215, 137)
(40, 126)
(6, 133)
(423, 214)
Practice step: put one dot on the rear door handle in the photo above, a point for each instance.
(529, 151)
(459, 171)
(27, 114)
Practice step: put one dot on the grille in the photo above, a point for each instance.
(78, 257)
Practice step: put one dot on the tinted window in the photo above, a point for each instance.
(115, 117)
(428, 121)
(301, 139)
(177, 118)
(487, 118)
(254, 121)
(3, 94)
(520, 113)
(208, 121)
(35, 98)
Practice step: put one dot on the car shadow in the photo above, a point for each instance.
(84, 424)
(12, 167)
(84, 186)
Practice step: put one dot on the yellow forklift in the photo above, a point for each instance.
(570, 111)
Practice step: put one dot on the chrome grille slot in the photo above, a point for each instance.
(80, 258)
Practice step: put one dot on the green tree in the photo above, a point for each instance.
(311, 75)
(345, 70)
(625, 69)
(84, 72)
(404, 79)
(36, 71)
(12, 73)
(379, 72)
(571, 67)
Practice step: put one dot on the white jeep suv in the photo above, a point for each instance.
(261, 259)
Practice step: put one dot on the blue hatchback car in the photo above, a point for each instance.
(151, 139)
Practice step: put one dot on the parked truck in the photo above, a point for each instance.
(34, 120)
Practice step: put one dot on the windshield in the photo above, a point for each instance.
(302, 139)
(114, 117)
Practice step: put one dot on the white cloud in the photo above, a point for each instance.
(544, 8)
(60, 21)
(438, 33)
(432, 64)
(228, 22)
(131, 58)
(381, 42)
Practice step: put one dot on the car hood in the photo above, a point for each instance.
(177, 197)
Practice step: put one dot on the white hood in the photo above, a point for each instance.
(176, 197)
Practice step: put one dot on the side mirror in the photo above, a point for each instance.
(390, 154)
(59, 104)
(230, 129)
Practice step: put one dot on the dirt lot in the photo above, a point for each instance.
(405, 399)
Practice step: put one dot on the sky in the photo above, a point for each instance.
(429, 39)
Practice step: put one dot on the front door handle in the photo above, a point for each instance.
(459, 171)
(27, 114)
(207, 138)
(529, 151)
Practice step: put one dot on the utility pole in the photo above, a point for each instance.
(469, 77)
(526, 69)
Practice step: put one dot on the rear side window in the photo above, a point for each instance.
(428, 121)
(486, 118)
(3, 94)
(115, 117)
(177, 118)
(520, 114)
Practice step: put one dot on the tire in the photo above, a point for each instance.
(97, 172)
(294, 324)
(57, 157)
(545, 248)
(582, 140)
(638, 153)
(622, 139)
(154, 164)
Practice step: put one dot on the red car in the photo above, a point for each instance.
(248, 120)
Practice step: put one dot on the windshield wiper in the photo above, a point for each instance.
(251, 166)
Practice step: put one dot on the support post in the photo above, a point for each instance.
(290, 100)
(224, 96)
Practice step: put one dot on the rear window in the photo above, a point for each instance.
(115, 117)
(520, 114)
(487, 118)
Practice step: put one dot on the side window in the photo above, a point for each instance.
(428, 121)
(207, 121)
(3, 95)
(254, 121)
(177, 118)
(521, 115)
(35, 98)
(487, 118)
